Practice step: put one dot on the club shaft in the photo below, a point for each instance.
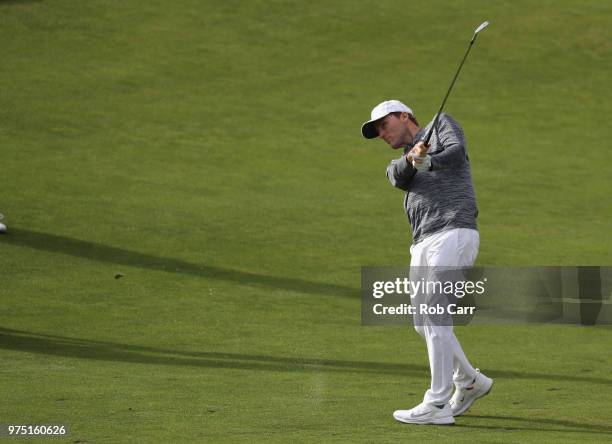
(435, 122)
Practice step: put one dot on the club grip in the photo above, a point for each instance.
(428, 136)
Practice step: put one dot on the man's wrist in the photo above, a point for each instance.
(422, 163)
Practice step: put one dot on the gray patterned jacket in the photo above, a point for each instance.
(443, 197)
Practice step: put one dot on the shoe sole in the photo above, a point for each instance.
(474, 400)
(442, 421)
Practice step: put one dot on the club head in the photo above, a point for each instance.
(482, 26)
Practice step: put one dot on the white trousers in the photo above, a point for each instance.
(448, 364)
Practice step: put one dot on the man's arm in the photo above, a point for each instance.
(450, 136)
(400, 173)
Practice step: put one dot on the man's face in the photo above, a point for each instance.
(393, 129)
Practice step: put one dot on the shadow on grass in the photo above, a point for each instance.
(18, 2)
(18, 340)
(102, 253)
(568, 426)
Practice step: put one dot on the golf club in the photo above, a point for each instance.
(482, 26)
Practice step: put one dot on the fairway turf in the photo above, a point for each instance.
(189, 202)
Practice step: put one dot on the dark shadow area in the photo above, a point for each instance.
(509, 374)
(17, 340)
(112, 255)
(18, 2)
(573, 426)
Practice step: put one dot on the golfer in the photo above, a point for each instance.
(441, 207)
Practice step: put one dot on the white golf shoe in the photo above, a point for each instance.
(426, 413)
(464, 397)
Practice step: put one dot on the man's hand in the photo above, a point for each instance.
(419, 157)
(420, 149)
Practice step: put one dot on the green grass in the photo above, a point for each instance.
(210, 154)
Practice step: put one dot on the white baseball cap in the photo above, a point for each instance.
(368, 130)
